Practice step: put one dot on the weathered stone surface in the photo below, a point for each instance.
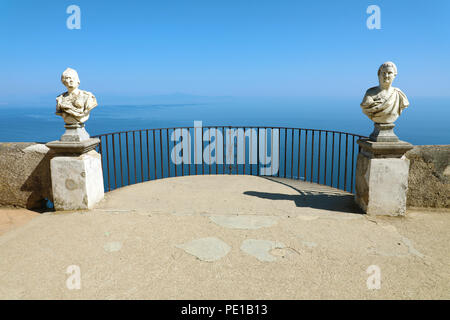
(381, 185)
(77, 182)
(384, 103)
(24, 174)
(429, 177)
(75, 104)
(206, 249)
(383, 132)
(372, 149)
(75, 133)
(73, 148)
(261, 249)
(362, 181)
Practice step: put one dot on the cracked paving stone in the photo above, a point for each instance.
(260, 249)
(206, 249)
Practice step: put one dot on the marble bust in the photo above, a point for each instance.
(384, 104)
(75, 104)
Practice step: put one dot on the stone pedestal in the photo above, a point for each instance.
(77, 182)
(76, 170)
(383, 132)
(382, 177)
(75, 133)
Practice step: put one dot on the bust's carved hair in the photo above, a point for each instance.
(386, 65)
(72, 72)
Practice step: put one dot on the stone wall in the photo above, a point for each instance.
(24, 174)
(429, 177)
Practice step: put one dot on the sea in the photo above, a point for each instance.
(426, 121)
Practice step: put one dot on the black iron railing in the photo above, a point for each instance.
(320, 156)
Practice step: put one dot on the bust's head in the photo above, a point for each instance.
(70, 79)
(387, 73)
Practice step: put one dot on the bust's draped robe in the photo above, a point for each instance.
(77, 106)
(388, 110)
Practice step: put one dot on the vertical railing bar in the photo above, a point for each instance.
(265, 149)
(339, 162)
(161, 152)
(285, 151)
(223, 150)
(128, 157)
(215, 151)
(250, 147)
(332, 161)
(326, 157)
(353, 159)
(237, 151)
(298, 160)
(107, 162)
(292, 153)
(121, 161)
(182, 153)
(231, 164)
(168, 155)
(318, 158)
(154, 154)
(142, 160)
(209, 131)
(202, 155)
(114, 161)
(236, 148)
(195, 149)
(134, 156)
(279, 152)
(148, 156)
(101, 150)
(312, 155)
(346, 162)
(271, 148)
(176, 157)
(244, 152)
(306, 151)
(189, 152)
(257, 153)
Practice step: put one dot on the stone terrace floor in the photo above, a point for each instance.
(224, 237)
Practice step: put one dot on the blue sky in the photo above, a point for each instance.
(216, 48)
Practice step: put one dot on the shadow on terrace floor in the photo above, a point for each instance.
(312, 195)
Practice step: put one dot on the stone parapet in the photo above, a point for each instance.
(25, 175)
(381, 181)
(77, 182)
(429, 176)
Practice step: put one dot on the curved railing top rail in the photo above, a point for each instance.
(249, 127)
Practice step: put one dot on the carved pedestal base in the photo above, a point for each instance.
(77, 182)
(75, 133)
(68, 148)
(383, 132)
(76, 170)
(382, 177)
